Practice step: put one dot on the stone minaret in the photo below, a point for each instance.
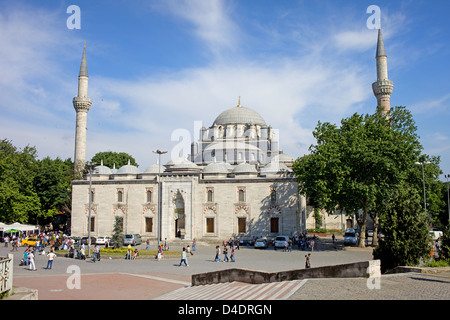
(382, 88)
(81, 103)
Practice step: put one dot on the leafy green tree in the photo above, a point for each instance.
(444, 252)
(358, 166)
(18, 199)
(405, 229)
(117, 236)
(52, 183)
(110, 159)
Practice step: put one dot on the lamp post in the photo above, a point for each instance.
(89, 167)
(159, 153)
(423, 163)
(448, 197)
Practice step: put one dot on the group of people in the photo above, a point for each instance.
(29, 258)
(131, 255)
(225, 254)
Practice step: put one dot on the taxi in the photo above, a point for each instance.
(30, 241)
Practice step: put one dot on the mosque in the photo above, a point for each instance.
(236, 182)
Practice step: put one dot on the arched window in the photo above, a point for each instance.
(241, 195)
(210, 196)
(149, 196)
(273, 196)
(120, 196)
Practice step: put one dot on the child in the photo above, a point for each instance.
(217, 254)
(183, 257)
(232, 254)
(225, 254)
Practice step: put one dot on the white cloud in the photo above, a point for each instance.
(210, 21)
(434, 105)
(139, 115)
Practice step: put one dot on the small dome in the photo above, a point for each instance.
(245, 168)
(155, 168)
(283, 157)
(128, 169)
(274, 167)
(182, 164)
(101, 169)
(216, 167)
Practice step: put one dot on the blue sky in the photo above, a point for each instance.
(158, 67)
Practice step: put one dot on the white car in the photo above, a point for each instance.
(280, 241)
(261, 243)
(102, 240)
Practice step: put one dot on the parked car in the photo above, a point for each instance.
(102, 240)
(261, 243)
(280, 240)
(350, 237)
(84, 240)
(30, 241)
(132, 239)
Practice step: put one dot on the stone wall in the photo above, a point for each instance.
(362, 269)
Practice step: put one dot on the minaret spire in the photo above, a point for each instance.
(383, 87)
(82, 104)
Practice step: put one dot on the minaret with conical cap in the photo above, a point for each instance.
(382, 88)
(81, 103)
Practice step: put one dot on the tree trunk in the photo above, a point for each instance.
(362, 223)
(375, 230)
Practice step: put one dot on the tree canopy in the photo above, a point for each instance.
(32, 190)
(359, 166)
(110, 158)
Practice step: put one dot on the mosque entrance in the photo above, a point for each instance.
(179, 216)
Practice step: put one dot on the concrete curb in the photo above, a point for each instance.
(21, 293)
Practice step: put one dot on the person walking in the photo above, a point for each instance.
(160, 252)
(308, 262)
(194, 244)
(232, 254)
(51, 255)
(96, 253)
(225, 254)
(217, 258)
(31, 260)
(183, 257)
(148, 244)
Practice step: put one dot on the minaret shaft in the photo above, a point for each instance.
(383, 87)
(82, 104)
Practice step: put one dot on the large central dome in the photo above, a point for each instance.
(239, 115)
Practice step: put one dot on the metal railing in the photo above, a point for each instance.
(6, 273)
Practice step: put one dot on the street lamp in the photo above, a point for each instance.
(90, 166)
(448, 197)
(159, 152)
(423, 163)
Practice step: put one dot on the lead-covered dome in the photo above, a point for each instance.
(239, 115)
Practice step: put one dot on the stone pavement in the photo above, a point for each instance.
(146, 279)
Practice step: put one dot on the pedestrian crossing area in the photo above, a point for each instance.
(236, 291)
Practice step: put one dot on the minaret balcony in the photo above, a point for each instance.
(383, 87)
(82, 103)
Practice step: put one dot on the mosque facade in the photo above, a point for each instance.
(235, 183)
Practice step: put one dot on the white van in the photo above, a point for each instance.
(132, 239)
(350, 237)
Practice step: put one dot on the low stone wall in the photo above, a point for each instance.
(363, 269)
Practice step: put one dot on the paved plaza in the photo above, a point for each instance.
(146, 279)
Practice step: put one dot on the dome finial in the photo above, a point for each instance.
(239, 104)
